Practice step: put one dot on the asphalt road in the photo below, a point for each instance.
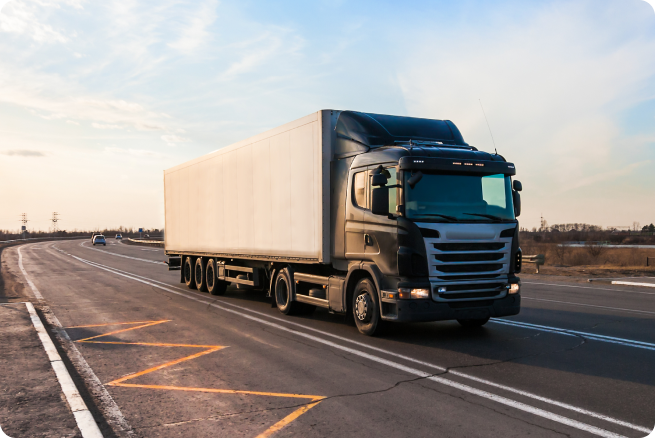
(579, 360)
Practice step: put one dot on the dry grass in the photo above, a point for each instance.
(596, 256)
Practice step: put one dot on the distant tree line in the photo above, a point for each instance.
(109, 232)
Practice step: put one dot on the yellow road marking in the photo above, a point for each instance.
(314, 399)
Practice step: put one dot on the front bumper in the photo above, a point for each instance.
(428, 310)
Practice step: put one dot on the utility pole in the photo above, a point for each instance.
(55, 218)
(24, 221)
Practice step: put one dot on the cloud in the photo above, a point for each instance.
(171, 139)
(115, 151)
(193, 32)
(23, 153)
(23, 18)
(72, 122)
(101, 126)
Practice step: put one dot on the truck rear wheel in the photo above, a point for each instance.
(199, 271)
(189, 280)
(473, 322)
(214, 285)
(366, 309)
(283, 290)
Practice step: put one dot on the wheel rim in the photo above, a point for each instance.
(282, 293)
(363, 305)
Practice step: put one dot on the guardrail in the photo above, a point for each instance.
(42, 238)
(538, 260)
(157, 243)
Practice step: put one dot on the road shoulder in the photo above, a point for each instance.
(30, 389)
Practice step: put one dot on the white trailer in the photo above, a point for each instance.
(264, 197)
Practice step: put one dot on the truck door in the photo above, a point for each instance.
(381, 233)
(356, 202)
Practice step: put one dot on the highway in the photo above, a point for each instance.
(578, 361)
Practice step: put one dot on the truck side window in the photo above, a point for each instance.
(390, 173)
(359, 189)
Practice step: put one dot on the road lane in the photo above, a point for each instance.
(560, 367)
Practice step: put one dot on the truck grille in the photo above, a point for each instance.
(471, 261)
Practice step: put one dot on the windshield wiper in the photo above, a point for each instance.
(488, 216)
(450, 218)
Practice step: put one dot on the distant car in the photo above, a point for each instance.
(99, 239)
(118, 236)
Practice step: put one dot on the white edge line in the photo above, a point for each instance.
(499, 399)
(35, 291)
(85, 422)
(629, 283)
(110, 409)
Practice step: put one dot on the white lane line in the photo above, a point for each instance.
(83, 418)
(586, 335)
(590, 305)
(121, 255)
(462, 387)
(110, 409)
(632, 283)
(589, 287)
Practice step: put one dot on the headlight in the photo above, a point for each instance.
(514, 288)
(407, 293)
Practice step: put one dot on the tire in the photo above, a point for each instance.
(104, 244)
(366, 307)
(214, 285)
(469, 323)
(199, 274)
(283, 289)
(189, 279)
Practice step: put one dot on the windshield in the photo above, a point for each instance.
(459, 197)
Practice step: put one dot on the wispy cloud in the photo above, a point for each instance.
(23, 153)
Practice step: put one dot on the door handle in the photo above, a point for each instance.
(368, 241)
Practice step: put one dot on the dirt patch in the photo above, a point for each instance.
(11, 289)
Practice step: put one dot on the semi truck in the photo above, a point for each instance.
(379, 217)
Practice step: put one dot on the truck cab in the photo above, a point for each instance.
(432, 216)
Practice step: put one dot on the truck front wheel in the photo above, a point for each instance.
(199, 271)
(283, 289)
(366, 309)
(189, 264)
(214, 285)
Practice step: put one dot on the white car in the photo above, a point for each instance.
(99, 239)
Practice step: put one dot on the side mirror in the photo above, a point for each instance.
(516, 185)
(380, 201)
(378, 180)
(414, 179)
(516, 197)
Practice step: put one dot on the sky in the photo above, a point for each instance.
(98, 98)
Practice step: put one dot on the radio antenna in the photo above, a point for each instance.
(485, 118)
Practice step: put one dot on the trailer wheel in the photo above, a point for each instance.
(214, 285)
(199, 271)
(473, 322)
(366, 309)
(189, 279)
(283, 289)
